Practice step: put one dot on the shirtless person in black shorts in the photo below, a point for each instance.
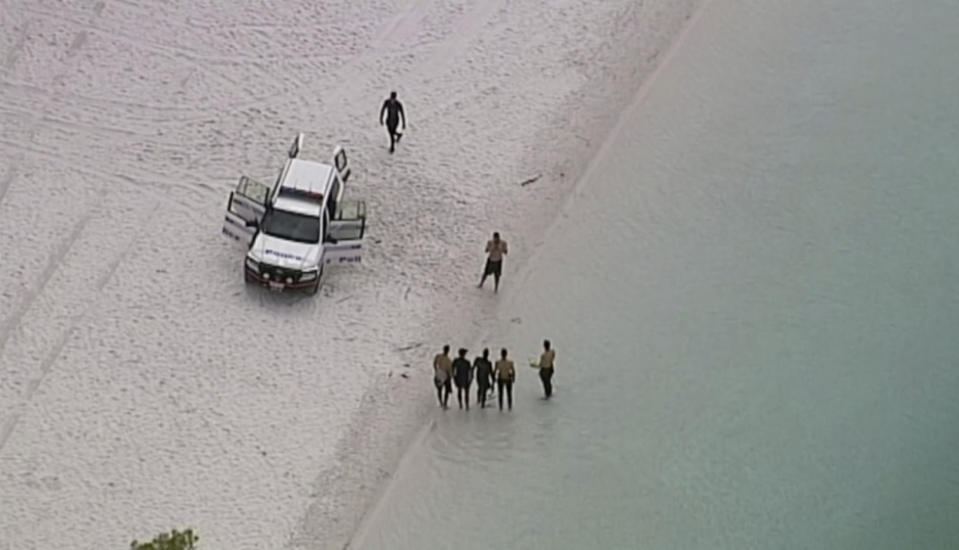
(496, 248)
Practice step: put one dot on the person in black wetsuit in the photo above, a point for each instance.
(484, 377)
(393, 110)
(462, 376)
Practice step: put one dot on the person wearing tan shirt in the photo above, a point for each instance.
(496, 249)
(443, 376)
(545, 365)
(505, 376)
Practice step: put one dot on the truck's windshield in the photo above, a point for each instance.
(290, 226)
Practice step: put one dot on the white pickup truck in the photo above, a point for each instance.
(299, 225)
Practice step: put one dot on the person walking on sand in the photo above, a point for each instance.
(462, 376)
(495, 248)
(505, 376)
(442, 373)
(393, 110)
(483, 372)
(546, 363)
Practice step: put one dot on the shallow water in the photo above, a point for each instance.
(753, 298)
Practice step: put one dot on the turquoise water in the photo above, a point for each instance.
(753, 296)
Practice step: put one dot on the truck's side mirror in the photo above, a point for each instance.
(252, 223)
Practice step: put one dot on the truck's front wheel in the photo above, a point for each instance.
(312, 289)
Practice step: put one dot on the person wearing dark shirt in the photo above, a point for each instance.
(483, 371)
(393, 110)
(462, 376)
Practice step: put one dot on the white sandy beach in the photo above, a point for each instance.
(142, 385)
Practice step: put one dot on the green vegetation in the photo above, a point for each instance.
(174, 540)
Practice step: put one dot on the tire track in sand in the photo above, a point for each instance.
(401, 27)
(11, 175)
(13, 55)
(12, 324)
(46, 364)
(76, 43)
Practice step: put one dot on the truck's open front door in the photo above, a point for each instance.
(344, 242)
(245, 209)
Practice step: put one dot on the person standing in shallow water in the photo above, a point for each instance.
(546, 363)
(463, 376)
(505, 376)
(393, 110)
(442, 374)
(483, 371)
(495, 248)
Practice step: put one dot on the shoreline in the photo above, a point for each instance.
(522, 271)
(570, 174)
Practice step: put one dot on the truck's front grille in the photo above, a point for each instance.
(279, 273)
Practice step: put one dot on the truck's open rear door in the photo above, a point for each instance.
(245, 209)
